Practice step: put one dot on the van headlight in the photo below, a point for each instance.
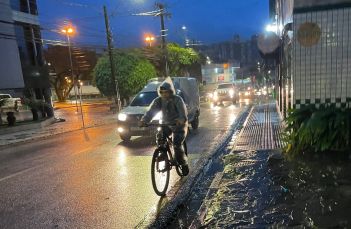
(122, 117)
(158, 116)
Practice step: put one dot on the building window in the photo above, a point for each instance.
(232, 69)
(206, 71)
(25, 6)
(218, 70)
(24, 38)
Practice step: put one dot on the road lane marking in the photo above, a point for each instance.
(27, 170)
(19, 173)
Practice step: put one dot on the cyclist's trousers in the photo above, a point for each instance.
(179, 135)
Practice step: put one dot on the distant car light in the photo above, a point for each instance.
(211, 95)
(231, 92)
(120, 129)
(248, 88)
(246, 93)
(122, 117)
(159, 128)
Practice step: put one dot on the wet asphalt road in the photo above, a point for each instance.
(91, 179)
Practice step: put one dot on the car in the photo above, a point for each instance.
(246, 91)
(128, 118)
(204, 97)
(9, 103)
(225, 92)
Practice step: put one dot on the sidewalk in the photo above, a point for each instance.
(73, 122)
(251, 185)
(85, 102)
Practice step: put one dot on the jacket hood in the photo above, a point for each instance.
(167, 84)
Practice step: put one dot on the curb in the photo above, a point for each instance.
(86, 105)
(38, 125)
(170, 210)
(50, 135)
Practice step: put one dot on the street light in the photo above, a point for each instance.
(183, 27)
(149, 39)
(67, 32)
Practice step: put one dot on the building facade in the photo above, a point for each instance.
(219, 73)
(236, 49)
(315, 53)
(22, 66)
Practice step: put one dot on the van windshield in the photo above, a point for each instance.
(144, 99)
(225, 86)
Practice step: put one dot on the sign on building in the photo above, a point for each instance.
(308, 34)
(220, 78)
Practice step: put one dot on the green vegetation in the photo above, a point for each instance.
(132, 73)
(325, 128)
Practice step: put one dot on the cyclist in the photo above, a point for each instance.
(173, 112)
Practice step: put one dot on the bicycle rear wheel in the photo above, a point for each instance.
(179, 167)
(160, 170)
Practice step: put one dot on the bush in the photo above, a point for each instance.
(325, 128)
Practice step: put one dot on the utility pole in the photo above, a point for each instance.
(164, 45)
(113, 71)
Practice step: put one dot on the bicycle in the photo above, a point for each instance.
(163, 160)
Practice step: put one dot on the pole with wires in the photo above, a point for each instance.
(161, 14)
(113, 71)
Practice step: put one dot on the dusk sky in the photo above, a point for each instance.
(207, 21)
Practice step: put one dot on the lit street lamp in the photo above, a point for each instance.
(68, 31)
(149, 39)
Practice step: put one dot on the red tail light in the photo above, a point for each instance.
(20, 100)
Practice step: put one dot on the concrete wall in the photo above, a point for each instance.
(10, 65)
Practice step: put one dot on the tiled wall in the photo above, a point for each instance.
(322, 73)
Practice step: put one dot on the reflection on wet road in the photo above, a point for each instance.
(93, 179)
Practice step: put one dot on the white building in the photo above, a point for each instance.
(219, 73)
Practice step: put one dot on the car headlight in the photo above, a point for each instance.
(211, 95)
(231, 92)
(122, 117)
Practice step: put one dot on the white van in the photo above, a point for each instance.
(186, 87)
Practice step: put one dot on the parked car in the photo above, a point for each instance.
(9, 103)
(186, 87)
(225, 92)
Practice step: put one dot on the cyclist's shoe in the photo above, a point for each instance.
(185, 170)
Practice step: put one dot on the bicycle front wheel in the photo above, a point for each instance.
(160, 170)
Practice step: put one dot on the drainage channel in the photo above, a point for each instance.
(253, 144)
(194, 213)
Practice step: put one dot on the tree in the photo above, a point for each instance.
(181, 61)
(132, 74)
(83, 62)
